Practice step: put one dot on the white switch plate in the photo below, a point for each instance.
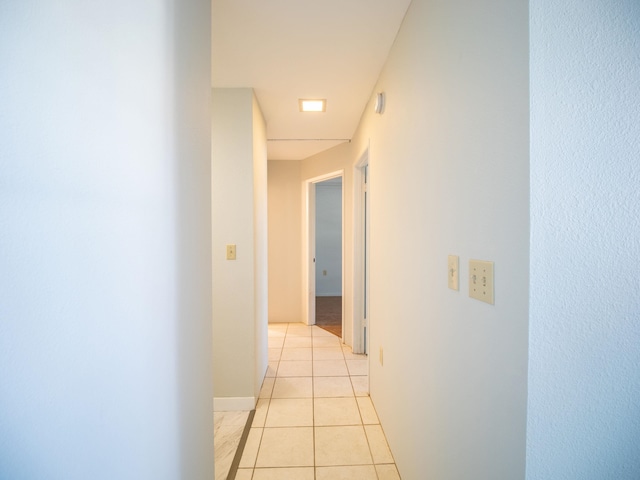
(231, 252)
(481, 280)
(453, 272)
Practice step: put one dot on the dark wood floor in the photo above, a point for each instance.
(329, 314)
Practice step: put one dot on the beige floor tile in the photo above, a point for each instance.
(386, 472)
(359, 472)
(328, 353)
(290, 412)
(274, 354)
(267, 387)
(294, 368)
(278, 327)
(272, 368)
(336, 411)
(299, 330)
(331, 341)
(360, 385)
(317, 380)
(349, 355)
(294, 473)
(286, 447)
(378, 444)
(244, 474)
(330, 368)
(261, 412)
(293, 387)
(321, 332)
(332, 387)
(358, 367)
(276, 342)
(367, 411)
(341, 446)
(296, 353)
(297, 342)
(251, 447)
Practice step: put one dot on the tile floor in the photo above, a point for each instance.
(314, 419)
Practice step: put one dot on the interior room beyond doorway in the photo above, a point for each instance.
(328, 255)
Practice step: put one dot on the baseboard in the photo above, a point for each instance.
(230, 404)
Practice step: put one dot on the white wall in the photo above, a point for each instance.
(105, 263)
(239, 217)
(449, 175)
(285, 227)
(584, 381)
(329, 238)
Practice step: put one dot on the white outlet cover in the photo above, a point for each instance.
(481, 281)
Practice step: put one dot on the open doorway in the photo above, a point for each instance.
(328, 242)
(331, 267)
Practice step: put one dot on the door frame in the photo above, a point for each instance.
(309, 246)
(360, 259)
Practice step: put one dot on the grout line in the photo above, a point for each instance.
(313, 408)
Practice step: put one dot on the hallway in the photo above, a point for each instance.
(314, 419)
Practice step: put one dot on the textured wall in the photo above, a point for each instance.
(105, 240)
(584, 367)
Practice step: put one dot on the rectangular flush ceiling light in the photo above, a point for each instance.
(312, 105)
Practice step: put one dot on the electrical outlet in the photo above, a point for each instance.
(231, 252)
(324, 273)
(453, 272)
(481, 281)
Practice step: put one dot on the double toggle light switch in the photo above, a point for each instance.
(481, 281)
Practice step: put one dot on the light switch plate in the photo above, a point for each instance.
(231, 252)
(481, 280)
(453, 272)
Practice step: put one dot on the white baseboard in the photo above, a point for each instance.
(230, 404)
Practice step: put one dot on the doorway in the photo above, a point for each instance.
(323, 266)
(328, 242)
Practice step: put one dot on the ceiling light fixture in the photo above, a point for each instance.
(308, 105)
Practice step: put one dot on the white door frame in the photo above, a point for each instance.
(309, 246)
(360, 260)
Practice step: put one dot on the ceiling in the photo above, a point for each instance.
(291, 49)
